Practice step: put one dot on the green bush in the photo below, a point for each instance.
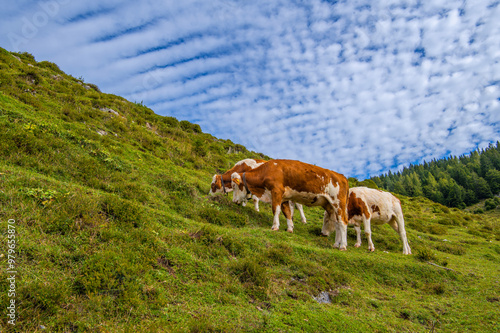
(49, 65)
(252, 275)
(187, 126)
(107, 273)
(451, 248)
(199, 147)
(123, 212)
(425, 254)
(280, 253)
(478, 211)
(436, 229)
(46, 296)
(436, 288)
(490, 204)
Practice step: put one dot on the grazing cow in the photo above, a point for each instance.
(279, 181)
(369, 206)
(222, 183)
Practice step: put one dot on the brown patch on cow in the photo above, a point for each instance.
(375, 209)
(357, 207)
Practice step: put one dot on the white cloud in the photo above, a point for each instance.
(360, 88)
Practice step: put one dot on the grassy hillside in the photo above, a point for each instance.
(114, 232)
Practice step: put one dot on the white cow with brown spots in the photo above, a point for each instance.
(370, 206)
(279, 181)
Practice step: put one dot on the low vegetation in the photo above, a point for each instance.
(115, 232)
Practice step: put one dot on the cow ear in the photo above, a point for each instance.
(236, 181)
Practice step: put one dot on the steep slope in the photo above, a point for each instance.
(114, 232)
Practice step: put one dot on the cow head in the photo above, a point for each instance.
(239, 190)
(216, 186)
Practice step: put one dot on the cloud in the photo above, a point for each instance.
(361, 88)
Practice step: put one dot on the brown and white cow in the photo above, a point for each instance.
(222, 183)
(279, 181)
(371, 206)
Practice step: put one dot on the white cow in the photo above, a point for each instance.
(369, 206)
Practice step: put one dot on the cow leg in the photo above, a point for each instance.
(290, 205)
(276, 205)
(301, 211)
(339, 215)
(328, 222)
(358, 235)
(256, 203)
(398, 224)
(286, 208)
(368, 233)
(276, 219)
(338, 236)
(342, 231)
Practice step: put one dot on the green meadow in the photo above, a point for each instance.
(115, 232)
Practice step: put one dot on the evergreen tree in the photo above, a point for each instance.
(453, 181)
(493, 179)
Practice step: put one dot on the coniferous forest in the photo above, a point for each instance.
(454, 181)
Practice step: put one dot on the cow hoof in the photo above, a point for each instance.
(304, 221)
(371, 250)
(343, 248)
(274, 229)
(290, 231)
(357, 245)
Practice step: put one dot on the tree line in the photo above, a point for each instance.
(455, 181)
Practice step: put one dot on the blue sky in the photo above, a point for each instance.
(359, 87)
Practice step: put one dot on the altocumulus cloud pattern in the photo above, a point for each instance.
(359, 87)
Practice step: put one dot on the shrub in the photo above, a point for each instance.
(436, 288)
(425, 254)
(451, 248)
(253, 277)
(123, 211)
(46, 295)
(280, 253)
(186, 126)
(437, 230)
(199, 147)
(249, 271)
(105, 273)
(49, 65)
(490, 204)
(235, 219)
(171, 121)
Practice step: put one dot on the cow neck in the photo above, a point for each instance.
(245, 183)
(223, 185)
